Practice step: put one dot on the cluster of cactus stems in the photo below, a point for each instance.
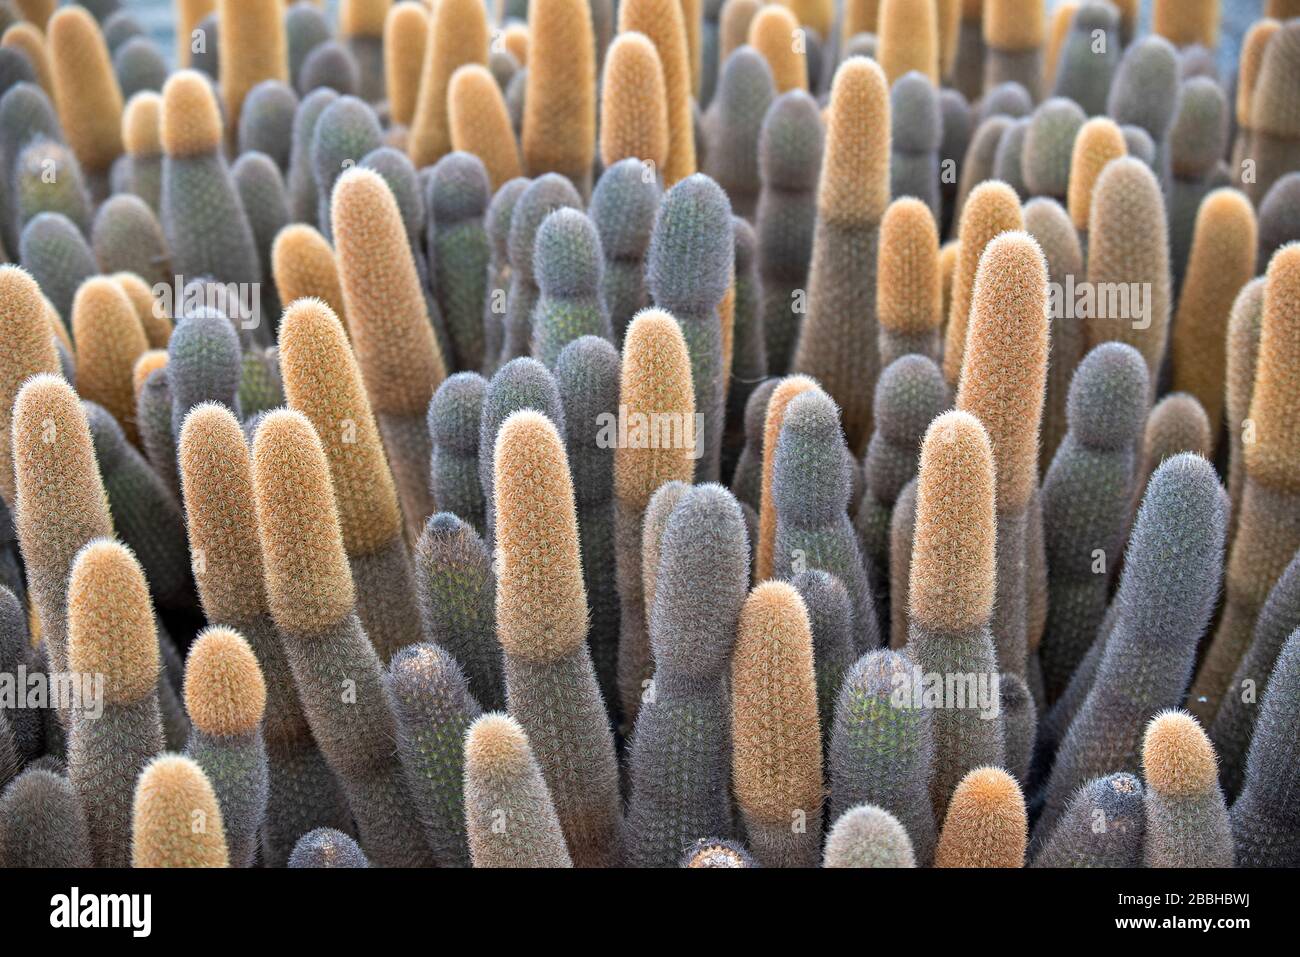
(535, 435)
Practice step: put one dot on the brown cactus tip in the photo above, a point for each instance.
(176, 819)
(142, 124)
(1177, 757)
(910, 285)
(148, 363)
(225, 694)
(772, 33)
(28, 350)
(1015, 25)
(1098, 141)
(496, 746)
(986, 824)
(217, 483)
(322, 380)
(308, 579)
(634, 108)
(655, 377)
(1187, 22)
(1005, 367)
(541, 599)
(1252, 57)
(110, 622)
(191, 119)
(1274, 457)
(953, 574)
(855, 165)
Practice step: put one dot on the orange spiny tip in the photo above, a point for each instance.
(457, 34)
(363, 18)
(909, 38)
(308, 579)
(1222, 260)
(953, 575)
(216, 470)
(1098, 141)
(773, 33)
(1178, 759)
(191, 119)
(28, 38)
(1177, 424)
(634, 105)
(781, 397)
(1274, 456)
(110, 622)
(655, 378)
(515, 39)
(323, 382)
(157, 327)
(1252, 56)
(253, 48)
(909, 289)
(85, 88)
(496, 746)
(1005, 370)
(386, 311)
(986, 824)
(109, 341)
(142, 124)
(992, 207)
(733, 25)
(1187, 22)
(541, 600)
(1273, 102)
(1128, 243)
(303, 265)
(776, 764)
(59, 499)
(559, 130)
(225, 693)
(854, 185)
(860, 16)
(662, 22)
(148, 363)
(176, 819)
(1014, 25)
(406, 29)
(480, 123)
(28, 350)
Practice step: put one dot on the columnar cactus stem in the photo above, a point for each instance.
(313, 603)
(111, 633)
(457, 34)
(1103, 826)
(1187, 824)
(1014, 31)
(662, 21)
(559, 132)
(542, 625)
(1265, 540)
(777, 749)
(837, 345)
